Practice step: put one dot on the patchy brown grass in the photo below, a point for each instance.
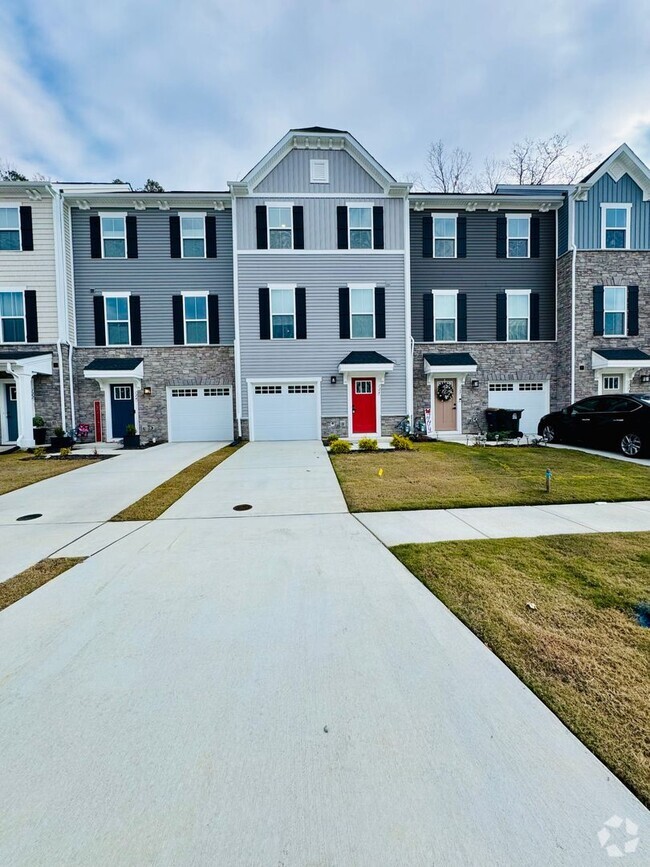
(582, 651)
(450, 475)
(153, 504)
(18, 469)
(34, 577)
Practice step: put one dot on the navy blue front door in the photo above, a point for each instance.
(12, 413)
(122, 408)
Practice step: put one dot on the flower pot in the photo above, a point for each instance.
(131, 441)
(58, 443)
(40, 435)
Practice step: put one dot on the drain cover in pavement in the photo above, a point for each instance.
(30, 517)
(242, 507)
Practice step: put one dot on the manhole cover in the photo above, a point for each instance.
(29, 517)
(242, 507)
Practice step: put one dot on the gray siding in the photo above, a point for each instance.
(563, 228)
(320, 354)
(292, 174)
(481, 275)
(587, 213)
(154, 276)
(320, 222)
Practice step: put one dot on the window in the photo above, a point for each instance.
(301, 389)
(362, 311)
(501, 386)
(444, 236)
(122, 392)
(185, 392)
(360, 227)
(268, 389)
(113, 236)
(615, 227)
(518, 315)
(192, 236)
(280, 222)
(10, 227)
(12, 317)
(282, 314)
(531, 386)
(195, 310)
(363, 386)
(611, 383)
(118, 331)
(518, 236)
(216, 392)
(590, 404)
(445, 306)
(319, 171)
(615, 311)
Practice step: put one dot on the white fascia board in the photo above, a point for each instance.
(136, 373)
(32, 365)
(454, 370)
(623, 161)
(424, 201)
(600, 363)
(361, 369)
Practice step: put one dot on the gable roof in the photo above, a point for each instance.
(622, 161)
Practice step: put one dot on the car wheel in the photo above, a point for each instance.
(550, 434)
(631, 445)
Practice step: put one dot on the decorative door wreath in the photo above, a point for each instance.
(445, 391)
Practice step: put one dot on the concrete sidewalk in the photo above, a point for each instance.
(502, 522)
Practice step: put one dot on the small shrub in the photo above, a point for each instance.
(39, 452)
(401, 444)
(38, 421)
(340, 447)
(367, 444)
(65, 452)
(59, 432)
(332, 438)
(130, 430)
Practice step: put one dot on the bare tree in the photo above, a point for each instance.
(449, 170)
(493, 173)
(415, 180)
(547, 160)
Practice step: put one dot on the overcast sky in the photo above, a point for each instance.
(194, 92)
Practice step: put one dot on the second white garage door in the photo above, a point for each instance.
(532, 397)
(284, 411)
(200, 413)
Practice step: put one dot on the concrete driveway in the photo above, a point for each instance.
(272, 688)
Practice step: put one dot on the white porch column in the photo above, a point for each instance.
(25, 409)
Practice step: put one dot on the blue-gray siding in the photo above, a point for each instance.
(292, 175)
(563, 228)
(481, 275)
(587, 214)
(154, 276)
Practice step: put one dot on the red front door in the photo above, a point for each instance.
(364, 406)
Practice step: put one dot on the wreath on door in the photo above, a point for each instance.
(445, 391)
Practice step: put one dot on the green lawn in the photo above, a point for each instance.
(581, 651)
(450, 475)
(19, 469)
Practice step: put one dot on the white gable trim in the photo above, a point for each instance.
(622, 161)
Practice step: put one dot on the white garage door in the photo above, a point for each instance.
(532, 397)
(200, 413)
(284, 411)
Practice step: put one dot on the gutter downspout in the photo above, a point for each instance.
(59, 276)
(574, 251)
(410, 344)
(235, 290)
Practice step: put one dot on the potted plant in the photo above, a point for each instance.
(131, 438)
(40, 431)
(60, 440)
(83, 430)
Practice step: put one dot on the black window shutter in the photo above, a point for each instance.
(260, 221)
(213, 317)
(298, 228)
(100, 322)
(211, 237)
(427, 317)
(301, 313)
(502, 238)
(95, 242)
(502, 314)
(461, 237)
(136, 321)
(175, 237)
(31, 318)
(380, 312)
(461, 311)
(534, 315)
(179, 323)
(534, 237)
(427, 236)
(342, 227)
(132, 237)
(632, 311)
(599, 311)
(26, 231)
(378, 227)
(265, 313)
(344, 312)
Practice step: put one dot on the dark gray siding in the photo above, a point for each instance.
(292, 174)
(608, 190)
(154, 275)
(481, 275)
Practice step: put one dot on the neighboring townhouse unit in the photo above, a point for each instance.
(321, 289)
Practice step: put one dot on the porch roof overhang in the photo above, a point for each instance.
(115, 370)
(365, 364)
(29, 363)
(449, 363)
(619, 359)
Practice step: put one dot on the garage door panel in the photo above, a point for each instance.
(532, 397)
(200, 413)
(285, 411)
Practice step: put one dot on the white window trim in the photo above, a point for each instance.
(445, 292)
(190, 294)
(14, 290)
(126, 295)
(13, 206)
(371, 286)
(324, 162)
(360, 205)
(519, 237)
(624, 312)
(603, 220)
(194, 214)
(288, 205)
(510, 292)
(112, 215)
(443, 216)
(289, 287)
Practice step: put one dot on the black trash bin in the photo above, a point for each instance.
(503, 420)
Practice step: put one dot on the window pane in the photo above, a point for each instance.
(9, 218)
(114, 248)
(517, 228)
(361, 300)
(197, 332)
(445, 329)
(517, 329)
(518, 248)
(616, 218)
(283, 327)
(282, 301)
(615, 298)
(113, 227)
(445, 306)
(445, 248)
(118, 333)
(193, 248)
(117, 309)
(360, 218)
(195, 307)
(280, 239)
(614, 323)
(279, 218)
(615, 239)
(9, 240)
(192, 227)
(11, 304)
(13, 330)
(360, 239)
(518, 305)
(362, 325)
(444, 227)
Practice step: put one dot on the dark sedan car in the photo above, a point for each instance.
(615, 421)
